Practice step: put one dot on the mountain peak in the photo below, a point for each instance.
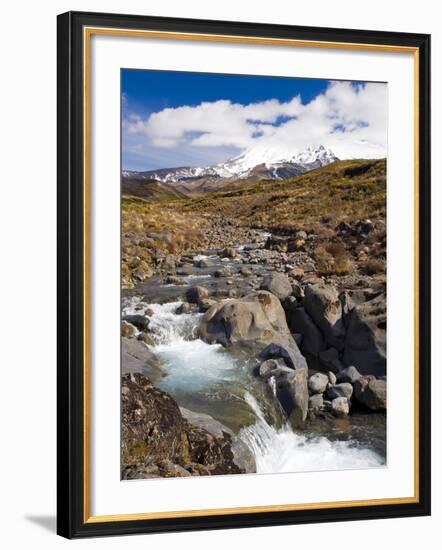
(271, 162)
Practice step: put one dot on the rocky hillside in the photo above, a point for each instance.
(335, 215)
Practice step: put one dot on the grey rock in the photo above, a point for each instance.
(340, 390)
(255, 320)
(349, 374)
(196, 294)
(318, 382)
(340, 406)
(278, 284)
(292, 393)
(332, 377)
(371, 392)
(137, 358)
(316, 402)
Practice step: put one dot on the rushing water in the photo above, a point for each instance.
(207, 378)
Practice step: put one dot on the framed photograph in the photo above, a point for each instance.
(243, 274)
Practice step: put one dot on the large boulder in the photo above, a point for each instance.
(242, 455)
(371, 392)
(365, 341)
(137, 357)
(278, 284)
(255, 320)
(292, 392)
(158, 440)
(323, 305)
(300, 322)
(152, 425)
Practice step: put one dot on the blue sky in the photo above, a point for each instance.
(189, 119)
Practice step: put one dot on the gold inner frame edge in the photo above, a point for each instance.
(87, 34)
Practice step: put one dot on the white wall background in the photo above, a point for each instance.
(28, 241)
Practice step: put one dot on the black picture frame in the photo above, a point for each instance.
(71, 396)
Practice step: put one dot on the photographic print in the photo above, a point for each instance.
(253, 271)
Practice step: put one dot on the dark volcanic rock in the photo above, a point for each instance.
(371, 392)
(365, 342)
(323, 305)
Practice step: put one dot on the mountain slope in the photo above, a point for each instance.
(149, 189)
(257, 163)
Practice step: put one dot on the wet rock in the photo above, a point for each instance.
(371, 392)
(269, 367)
(340, 390)
(185, 307)
(318, 383)
(128, 330)
(322, 303)
(289, 353)
(146, 339)
(365, 342)
(316, 402)
(340, 406)
(349, 374)
(278, 284)
(137, 357)
(196, 294)
(292, 393)
(139, 321)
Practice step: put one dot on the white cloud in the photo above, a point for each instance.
(350, 119)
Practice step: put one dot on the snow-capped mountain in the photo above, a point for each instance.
(262, 162)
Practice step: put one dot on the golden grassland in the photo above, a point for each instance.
(317, 201)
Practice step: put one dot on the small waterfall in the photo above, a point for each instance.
(223, 384)
(284, 450)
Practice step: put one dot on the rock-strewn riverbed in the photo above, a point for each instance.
(272, 365)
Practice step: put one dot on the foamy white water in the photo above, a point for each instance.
(194, 366)
(284, 450)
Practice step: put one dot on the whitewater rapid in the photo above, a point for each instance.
(209, 372)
